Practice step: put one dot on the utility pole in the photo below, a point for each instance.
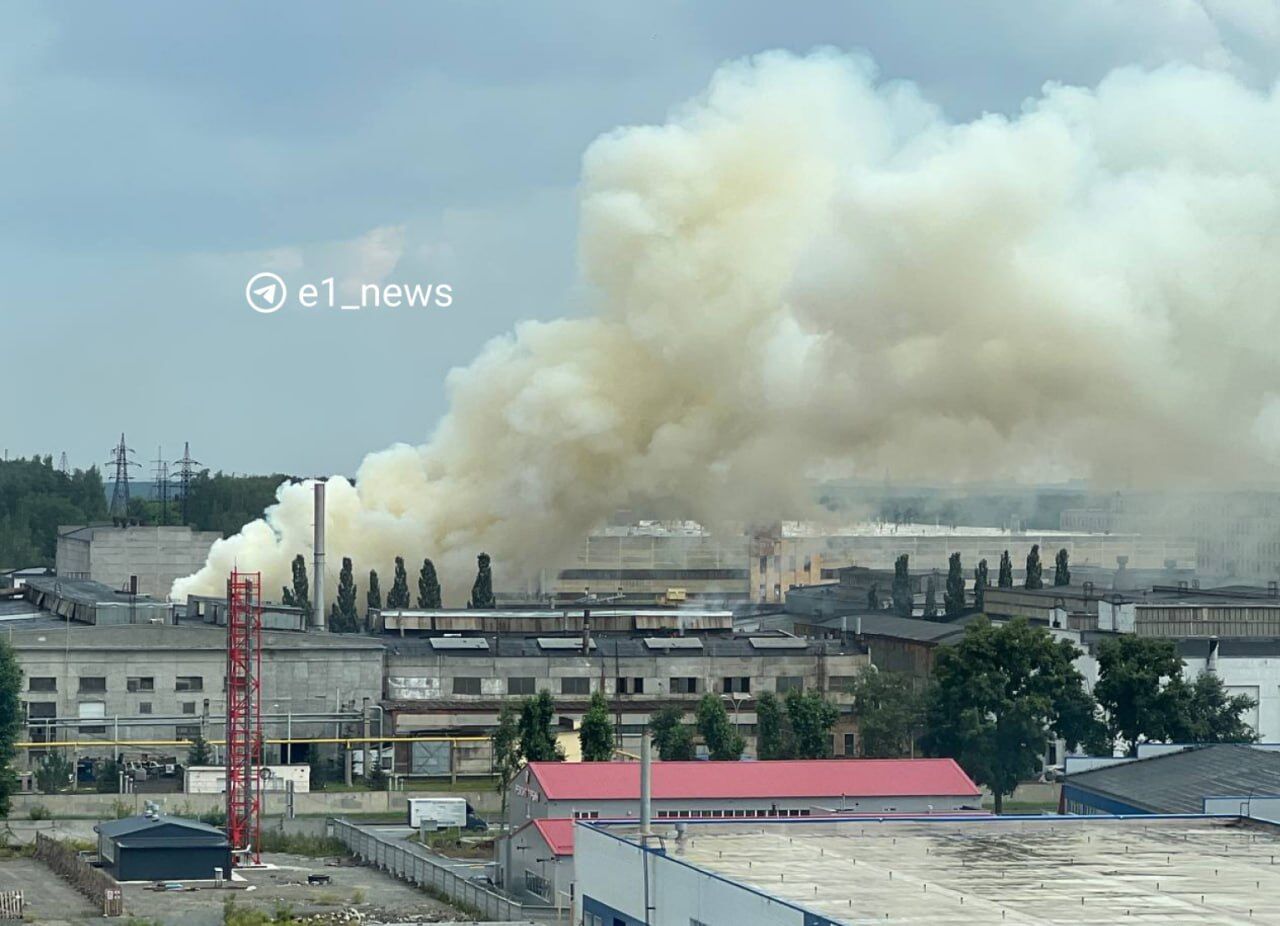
(120, 493)
(186, 469)
(162, 484)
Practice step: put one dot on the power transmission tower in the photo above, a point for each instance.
(120, 494)
(186, 469)
(162, 484)
(62, 464)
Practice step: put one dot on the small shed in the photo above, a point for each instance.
(161, 848)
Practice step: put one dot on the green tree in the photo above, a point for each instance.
(301, 587)
(10, 722)
(1145, 698)
(54, 772)
(980, 585)
(1005, 577)
(373, 597)
(1035, 571)
(199, 753)
(482, 588)
(106, 776)
(931, 599)
(1062, 568)
(953, 598)
(596, 732)
(428, 586)
(537, 740)
(398, 597)
(902, 603)
(889, 710)
(1211, 715)
(671, 737)
(773, 734)
(724, 742)
(506, 752)
(873, 599)
(997, 696)
(811, 717)
(344, 618)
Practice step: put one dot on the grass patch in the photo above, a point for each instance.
(300, 844)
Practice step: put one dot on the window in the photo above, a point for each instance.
(789, 683)
(140, 683)
(93, 683)
(630, 685)
(187, 731)
(188, 707)
(575, 686)
(144, 707)
(466, 686)
(41, 710)
(93, 710)
(42, 683)
(684, 684)
(189, 683)
(851, 744)
(520, 685)
(737, 684)
(841, 683)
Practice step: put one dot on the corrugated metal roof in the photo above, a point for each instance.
(789, 778)
(1178, 782)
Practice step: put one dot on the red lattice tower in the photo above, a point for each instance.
(244, 713)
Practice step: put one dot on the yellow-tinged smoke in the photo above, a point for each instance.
(805, 271)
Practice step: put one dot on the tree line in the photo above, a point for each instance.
(902, 599)
(35, 498)
(344, 615)
(997, 697)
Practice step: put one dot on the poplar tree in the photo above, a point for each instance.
(1034, 569)
(344, 618)
(953, 599)
(398, 597)
(1005, 577)
(902, 587)
(373, 597)
(980, 585)
(482, 588)
(428, 586)
(596, 732)
(1062, 568)
(931, 598)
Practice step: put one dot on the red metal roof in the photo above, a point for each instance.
(557, 832)
(787, 778)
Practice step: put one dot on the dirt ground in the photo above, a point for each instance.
(356, 894)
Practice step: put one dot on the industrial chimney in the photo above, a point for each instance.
(317, 562)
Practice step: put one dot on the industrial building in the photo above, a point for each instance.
(546, 797)
(110, 555)
(980, 870)
(160, 848)
(1173, 779)
(91, 602)
(456, 685)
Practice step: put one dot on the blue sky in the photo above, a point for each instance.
(156, 155)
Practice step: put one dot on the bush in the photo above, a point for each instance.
(215, 817)
(40, 812)
(106, 777)
(53, 773)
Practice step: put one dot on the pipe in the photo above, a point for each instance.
(646, 787)
(317, 561)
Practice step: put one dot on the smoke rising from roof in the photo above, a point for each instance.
(806, 271)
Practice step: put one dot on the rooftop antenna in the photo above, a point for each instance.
(162, 484)
(120, 493)
(186, 469)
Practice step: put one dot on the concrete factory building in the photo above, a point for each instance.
(110, 555)
(160, 848)
(982, 870)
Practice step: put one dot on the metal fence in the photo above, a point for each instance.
(101, 889)
(10, 905)
(402, 860)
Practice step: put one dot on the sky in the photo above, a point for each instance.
(156, 156)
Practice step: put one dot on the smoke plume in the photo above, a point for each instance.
(807, 271)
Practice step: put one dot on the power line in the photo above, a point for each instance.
(186, 469)
(120, 493)
(162, 484)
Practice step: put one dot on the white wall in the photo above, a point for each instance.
(212, 779)
(1258, 677)
(609, 870)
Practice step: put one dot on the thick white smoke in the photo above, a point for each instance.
(807, 271)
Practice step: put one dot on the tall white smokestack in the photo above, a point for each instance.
(317, 561)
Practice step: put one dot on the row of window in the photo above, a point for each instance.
(701, 814)
(677, 684)
(96, 684)
(48, 710)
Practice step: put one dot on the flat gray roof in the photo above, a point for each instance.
(1050, 869)
(181, 636)
(1178, 782)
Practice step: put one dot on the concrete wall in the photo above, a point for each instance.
(156, 555)
(1257, 677)
(316, 803)
(611, 886)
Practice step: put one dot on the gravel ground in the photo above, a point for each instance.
(48, 899)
